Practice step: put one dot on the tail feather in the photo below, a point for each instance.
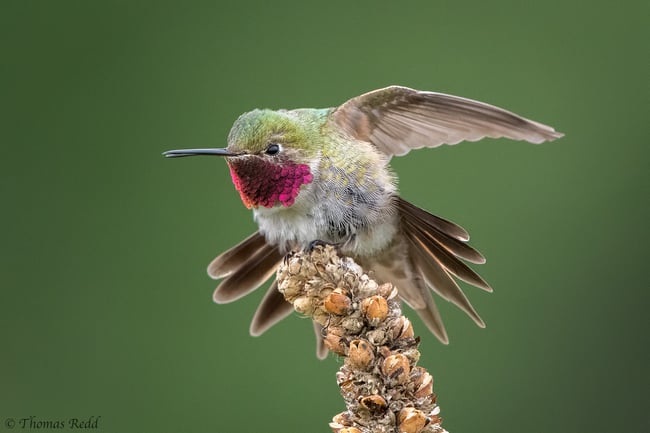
(271, 310)
(436, 252)
(448, 260)
(430, 315)
(233, 259)
(251, 274)
(442, 283)
(452, 245)
(416, 214)
(321, 350)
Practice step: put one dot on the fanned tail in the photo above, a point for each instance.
(437, 248)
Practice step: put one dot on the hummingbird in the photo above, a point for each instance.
(323, 175)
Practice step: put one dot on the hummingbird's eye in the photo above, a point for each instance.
(272, 149)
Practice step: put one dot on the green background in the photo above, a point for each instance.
(105, 304)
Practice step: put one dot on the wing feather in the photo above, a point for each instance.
(399, 119)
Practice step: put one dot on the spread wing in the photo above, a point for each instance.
(398, 119)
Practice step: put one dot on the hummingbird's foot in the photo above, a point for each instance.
(288, 256)
(313, 244)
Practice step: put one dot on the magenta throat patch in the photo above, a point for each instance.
(262, 183)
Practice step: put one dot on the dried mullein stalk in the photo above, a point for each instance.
(384, 389)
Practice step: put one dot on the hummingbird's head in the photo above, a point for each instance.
(269, 155)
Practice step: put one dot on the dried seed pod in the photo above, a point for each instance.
(350, 279)
(337, 302)
(373, 403)
(411, 420)
(407, 329)
(303, 305)
(289, 288)
(422, 381)
(343, 376)
(377, 337)
(349, 390)
(342, 419)
(412, 353)
(294, 265)
(335, 344)
(353, 324)
(369, 286)
(397, 368)
(335, 341)
(360, 354)
(320, 267)
(386, 290)
(435, 420)
(384, 351)
(399, 327)
(342, 423)
(336, 428)
(375, 308)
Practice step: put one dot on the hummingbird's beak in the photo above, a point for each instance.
(193, 152)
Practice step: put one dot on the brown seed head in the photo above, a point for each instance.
(373, 403)
(360, 355)
(386, 291)
(375, 308)
(343, 419)
(423, 382)
(407, 329)
(335, 341)
(294, 266)
(303, 305)
(411, 420)
(337, 303)
(396, 367)
(435, 419)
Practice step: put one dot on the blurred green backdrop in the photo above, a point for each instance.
(106, 306)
